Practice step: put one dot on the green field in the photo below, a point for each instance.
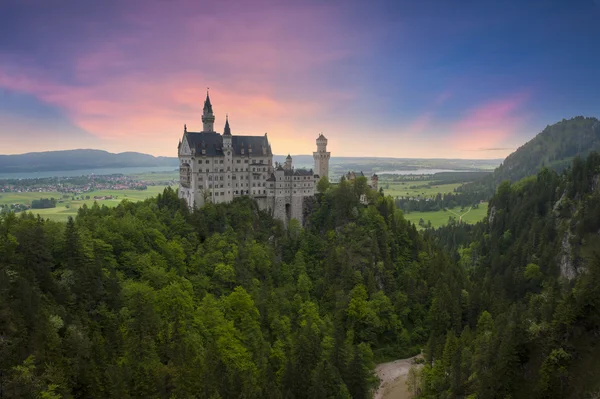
(62, 212)
(156, 176)
(422, 188)
(440, 218)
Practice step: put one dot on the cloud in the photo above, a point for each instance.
(266, 65)
(490, 125)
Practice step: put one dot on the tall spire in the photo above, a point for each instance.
(208, 118)
(227, 129)
(207, 104)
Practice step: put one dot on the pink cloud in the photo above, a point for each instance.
(153, 81)
(490, 125)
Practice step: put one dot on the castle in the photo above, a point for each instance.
(217, 168)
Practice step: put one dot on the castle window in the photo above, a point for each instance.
(203, 151)
(245, 161)
(238, 161)
(261, 161)
(221, 161)
(207, 161)
(210, 178)
(210, 185)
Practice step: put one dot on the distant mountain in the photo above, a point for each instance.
(79, 159)
(94, 159)
(555, 148)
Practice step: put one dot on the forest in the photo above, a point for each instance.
(152, 300)
(522, 319)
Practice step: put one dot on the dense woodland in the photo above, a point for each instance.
(521, 318)
(150, 300)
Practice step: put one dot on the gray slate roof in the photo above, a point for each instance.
(213, 143)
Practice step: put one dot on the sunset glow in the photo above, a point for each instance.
(382, 80)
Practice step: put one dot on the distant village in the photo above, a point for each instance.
(77, 185)
(73, 188)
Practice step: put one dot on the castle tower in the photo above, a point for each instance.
(321, 157)
(288, 163)
(208, 118)
(374, 182)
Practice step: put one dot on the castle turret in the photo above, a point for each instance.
(227, 134)
(208, 118)
(288, 163)
(321, 157)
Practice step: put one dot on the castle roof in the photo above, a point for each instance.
(303, 172)
(227, 130)
(207, 104)
(212, 142)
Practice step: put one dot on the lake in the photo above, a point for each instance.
(419, 171)
(87, 172)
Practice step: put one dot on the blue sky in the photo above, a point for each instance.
(461, 79)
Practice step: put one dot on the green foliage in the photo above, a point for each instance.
(529, 318)
(152, 300)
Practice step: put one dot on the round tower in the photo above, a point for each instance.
(288, 163)
(321, 157)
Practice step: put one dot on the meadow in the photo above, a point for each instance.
(440, 218)
(423, 188)
(68, 206)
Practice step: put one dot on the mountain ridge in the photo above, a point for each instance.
(63, 160)
(555, 147)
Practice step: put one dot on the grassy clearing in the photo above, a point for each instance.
(157, 176)
(440, 218)
(420, 188)
(69, 206)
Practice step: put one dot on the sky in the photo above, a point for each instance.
(408, 79)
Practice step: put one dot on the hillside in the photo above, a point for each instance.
(555, 147)
(79, 159)
(526, 324)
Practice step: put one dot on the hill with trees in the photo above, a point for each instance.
(554, 148)
(527, 320)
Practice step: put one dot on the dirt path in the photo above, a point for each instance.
(393, 379)
(460, 216)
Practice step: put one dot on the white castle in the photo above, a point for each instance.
(220, 167)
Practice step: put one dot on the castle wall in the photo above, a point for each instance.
(221, 178)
